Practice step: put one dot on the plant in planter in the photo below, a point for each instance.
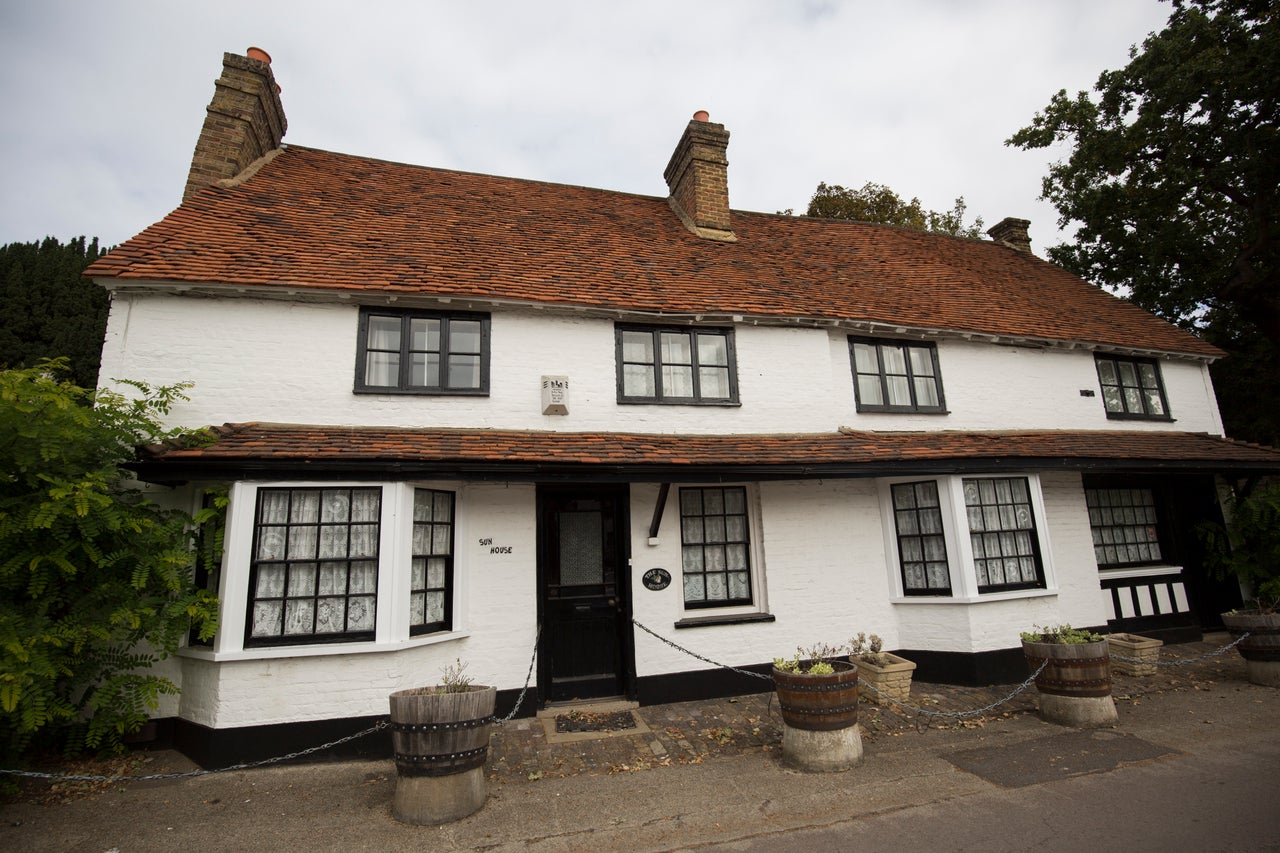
(1142, 653)
(1248, 548)
(818, 695)
(440, 739)
(888, 675)
(1074, 678)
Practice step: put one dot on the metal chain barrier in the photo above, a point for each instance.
(693, 654)
(382, 724)
(1184, 661)
(378, 726)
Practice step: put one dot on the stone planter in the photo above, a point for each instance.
(441, 743)
(820, 718)
(1261, 649)
(1075, 684)
(888, 675)
(1142, 651)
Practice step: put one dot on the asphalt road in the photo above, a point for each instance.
(1190, 769)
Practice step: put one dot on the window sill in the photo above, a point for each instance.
(729, 404)
(878, 410)
(1124, 416)
(981, 599)
(1140, 572)
(319, 649)
(724, 619)
(424, 392)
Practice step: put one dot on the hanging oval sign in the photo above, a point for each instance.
(656, 579)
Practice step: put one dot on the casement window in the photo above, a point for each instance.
(431, 583)
(965, 537)
(715, 542)
(314, 572)
(896, 376)
(1002, 533)
(922, 544)
(423, 352)
(1131, 387)
(667, 364)
(1125, 527)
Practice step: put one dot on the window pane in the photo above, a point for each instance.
(424, 334)
(382, 369)
(464, 371)
(865, 358)
(714, 383)
(637, 347)
(675, 348)
(899, 390)
(296, 595)
(637, 381)
(464, 336)
(1155, 404)
(1128, 375)
(677, 381)
(926, 392)
(714, 546)
(713, 350)
(869, 391)
(424, 370)
(921, 361)
(894, 360)
(1111, 398)
(384, 333)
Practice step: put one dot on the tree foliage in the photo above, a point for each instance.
(878, 203)
(96, 580)
(1174, 167)
(47, 309)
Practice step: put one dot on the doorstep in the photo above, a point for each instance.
(587, 707)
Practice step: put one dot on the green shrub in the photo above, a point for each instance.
(96, 580)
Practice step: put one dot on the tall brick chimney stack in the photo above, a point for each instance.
(1012, 233)
(244, 121)
(698, 176)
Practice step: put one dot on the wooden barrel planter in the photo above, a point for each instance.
(1261, 649)
(820, 716)
(1075, 684)
(440, 742)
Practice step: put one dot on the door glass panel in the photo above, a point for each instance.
(581, 548)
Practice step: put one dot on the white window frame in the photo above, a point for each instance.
(395, 548)
(955, 527)
(759, 598)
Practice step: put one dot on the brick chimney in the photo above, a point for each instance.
(1012, 233)
(698, 176)
(244, 121)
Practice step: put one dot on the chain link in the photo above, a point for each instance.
(693, 654)
(378, 726)
(384, 723)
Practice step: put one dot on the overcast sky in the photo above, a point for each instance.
(103, 102)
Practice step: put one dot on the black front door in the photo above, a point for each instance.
(585, 650)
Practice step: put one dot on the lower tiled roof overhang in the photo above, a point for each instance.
(294, 451)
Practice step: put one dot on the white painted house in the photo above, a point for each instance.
(454, 408)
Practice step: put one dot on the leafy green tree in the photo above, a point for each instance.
(1173, 179)
(877, 203)
(47, 308)
(96, 580)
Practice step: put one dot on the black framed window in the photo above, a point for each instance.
(423, 352)
(715, 543)
(314, 572)
(1125, 527)
(665, 364)
(1132, 388)
(1002, 532)
(922, 544)
(896, 376)
(431, 574)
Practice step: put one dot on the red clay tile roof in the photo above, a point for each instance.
(325, 450)
(316, 219)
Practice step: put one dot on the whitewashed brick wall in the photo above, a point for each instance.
(267, 360)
